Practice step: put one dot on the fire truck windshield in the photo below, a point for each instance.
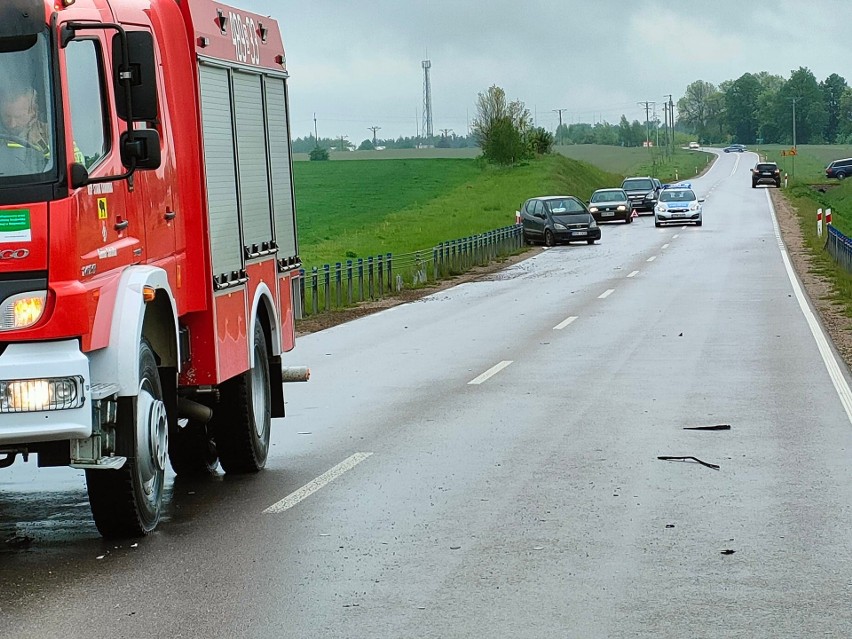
(27, 142)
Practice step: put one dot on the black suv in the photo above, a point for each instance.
(765, 173)
(839, 169)
(642, 192)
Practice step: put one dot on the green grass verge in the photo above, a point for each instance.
(357, 209)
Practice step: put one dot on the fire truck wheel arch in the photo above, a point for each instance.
(131, 319)
(263, 296)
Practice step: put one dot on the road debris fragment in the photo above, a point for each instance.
(728, 551)
(714, 427)
(688, 458)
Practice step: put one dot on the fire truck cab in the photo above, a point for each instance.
(148, 248)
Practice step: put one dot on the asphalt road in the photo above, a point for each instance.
(404, 500)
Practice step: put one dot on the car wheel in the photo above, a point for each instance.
(527, 240)
(549, 238)
(590, 241)
(698, 223)
(657, 224)
(753, 185)
(840, 176)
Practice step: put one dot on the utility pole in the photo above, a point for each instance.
(669, 107)
(316, 137)
(793, 100)
(343, 142)
(374, 129)
(559, 130)
(445, 132)
(647, 121)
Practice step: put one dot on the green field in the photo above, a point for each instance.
(682, 165)
(809, 164)
(358, 209)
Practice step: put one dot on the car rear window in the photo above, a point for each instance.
(767, 167)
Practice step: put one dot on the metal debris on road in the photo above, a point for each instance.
(716, 427)
(689, 458)
(728, 551)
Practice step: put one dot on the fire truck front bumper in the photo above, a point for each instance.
(45, 393)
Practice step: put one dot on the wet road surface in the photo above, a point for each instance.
(484, 463)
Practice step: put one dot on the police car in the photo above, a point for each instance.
(678, 204)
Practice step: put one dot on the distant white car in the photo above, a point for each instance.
(694, 145)
(678, 205)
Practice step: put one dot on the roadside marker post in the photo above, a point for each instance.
(819, 222)
(828, 217)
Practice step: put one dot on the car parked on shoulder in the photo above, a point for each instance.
(839, 169)
(765, 173)
(678, 205)
(608, 205)
(558, 218)
(642, 192)
(735, 148)
(694, 145)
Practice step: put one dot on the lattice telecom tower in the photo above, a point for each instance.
(427, 99)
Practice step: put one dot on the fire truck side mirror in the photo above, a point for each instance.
(140, 149)
(143, 72)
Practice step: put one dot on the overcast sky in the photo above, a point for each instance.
(357, 64)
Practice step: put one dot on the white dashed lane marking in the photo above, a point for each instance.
(606, 294)
(633, 274)
(314, 485)
(491, 372)
(652, 258)
(564, 323)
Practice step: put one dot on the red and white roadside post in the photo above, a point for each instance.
(819, 222)
(828, 217)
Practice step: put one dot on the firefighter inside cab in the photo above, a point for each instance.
(27, 142)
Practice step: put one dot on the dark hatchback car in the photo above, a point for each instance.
(765, 173)
(608, 205)
(642, 192)
(558, 218)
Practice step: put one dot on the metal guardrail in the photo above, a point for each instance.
(342, 284)
(840, 248)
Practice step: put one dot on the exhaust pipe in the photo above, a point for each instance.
(194, 411)
(295, 373)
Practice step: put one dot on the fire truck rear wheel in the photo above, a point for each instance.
(243, 418)
(127, 502)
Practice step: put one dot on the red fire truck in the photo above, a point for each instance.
(148, 254)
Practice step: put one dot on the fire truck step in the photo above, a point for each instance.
(104, 463)
(102, 391)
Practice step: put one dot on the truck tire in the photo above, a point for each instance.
(242, 420)
(127, 502)
(191, 451)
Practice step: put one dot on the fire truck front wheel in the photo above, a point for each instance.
(127, 502)
(242, 420)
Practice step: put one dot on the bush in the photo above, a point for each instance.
(319, 153)
(541, 141)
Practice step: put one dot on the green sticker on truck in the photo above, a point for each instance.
(15, 226)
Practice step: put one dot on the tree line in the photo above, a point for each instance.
(760, 107)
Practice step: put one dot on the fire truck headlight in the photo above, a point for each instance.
(30, 395)
(22, 310)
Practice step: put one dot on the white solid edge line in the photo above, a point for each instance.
(314, 485)
(828, 358)
(491, 372)
(606, 293)
(633, 274)
(652, 258)
(564, 323)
